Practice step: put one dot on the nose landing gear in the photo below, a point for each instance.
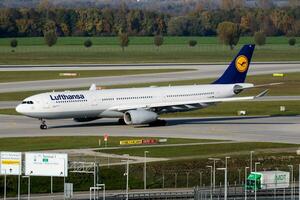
(43, 125)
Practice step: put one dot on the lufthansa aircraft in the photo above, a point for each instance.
(141, 105)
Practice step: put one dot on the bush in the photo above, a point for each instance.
(50, 37)
(14, 43)
(260, 38)
(88, 43)
(124, 40)
(192, 43)
(158, 40)
(292, 41)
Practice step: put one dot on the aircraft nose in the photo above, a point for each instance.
(19, 108)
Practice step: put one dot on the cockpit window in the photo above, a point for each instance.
(27, 102)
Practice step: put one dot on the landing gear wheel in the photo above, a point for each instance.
(121, 121)
(158, 122)
(43, 125)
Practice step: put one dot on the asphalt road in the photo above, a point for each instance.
(268, 129)
(202, 71)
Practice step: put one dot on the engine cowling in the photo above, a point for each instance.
(86, 119)
(237, 89)
(141, 116)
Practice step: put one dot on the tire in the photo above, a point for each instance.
(43, 126)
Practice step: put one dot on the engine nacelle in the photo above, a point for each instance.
(140, 116)
(86, 119)
(237, 89)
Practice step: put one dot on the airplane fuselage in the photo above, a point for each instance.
(100, 103)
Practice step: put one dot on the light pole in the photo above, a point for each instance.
(211, 172)
(200, 178)
(214, 171)
(225, 182)
(239, 170)
(163, 179)
(292, 178)
(251, 157)
(255, 187)
(175, 181)
(127, 174)
(145, 169)
(187, 179)
(246, 182)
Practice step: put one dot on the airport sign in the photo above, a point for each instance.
(138, 142)
(10, 163)
(131, 142)
(46, 164)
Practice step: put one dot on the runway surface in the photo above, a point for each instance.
(13, 104)
(202, 71)
(262, 128)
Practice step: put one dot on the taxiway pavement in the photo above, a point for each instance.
(283, 129)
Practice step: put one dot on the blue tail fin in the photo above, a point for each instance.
(238, 68)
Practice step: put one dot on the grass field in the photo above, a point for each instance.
(140, 50)
(290, 86)
(11, 76)
(205, 150)
(75, 142)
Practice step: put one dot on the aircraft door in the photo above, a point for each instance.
(94, 101)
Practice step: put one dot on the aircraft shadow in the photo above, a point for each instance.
(180, 121)
(90, 124)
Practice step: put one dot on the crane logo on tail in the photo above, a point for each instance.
(241, 63)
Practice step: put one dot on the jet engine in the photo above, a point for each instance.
(139, 116)
(237, 89)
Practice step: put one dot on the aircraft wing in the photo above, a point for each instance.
(182, 103)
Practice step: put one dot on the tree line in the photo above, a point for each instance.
(32, 22)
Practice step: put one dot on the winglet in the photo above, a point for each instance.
(93, 87)
(262, 94)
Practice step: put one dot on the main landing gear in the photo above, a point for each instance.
(43, 125)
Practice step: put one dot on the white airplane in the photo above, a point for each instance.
(134, 106)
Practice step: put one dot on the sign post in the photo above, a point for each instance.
(4, 185)
(11, 164)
